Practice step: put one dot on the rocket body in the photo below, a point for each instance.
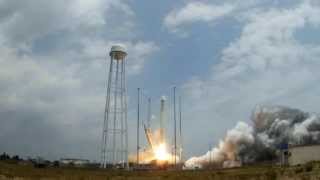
(162, 119)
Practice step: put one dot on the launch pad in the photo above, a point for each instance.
(158, 153)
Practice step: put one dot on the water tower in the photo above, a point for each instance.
(114, 150)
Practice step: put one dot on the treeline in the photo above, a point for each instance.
(40, 162)
(4, 157)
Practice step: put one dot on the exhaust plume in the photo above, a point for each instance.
(157, 150)
(273, 127)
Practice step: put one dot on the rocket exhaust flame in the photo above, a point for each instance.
(156, 151)
(272, 127)
(161, 153)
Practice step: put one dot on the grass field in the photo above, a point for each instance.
(27, 172)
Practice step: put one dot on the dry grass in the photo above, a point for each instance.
(26, 172)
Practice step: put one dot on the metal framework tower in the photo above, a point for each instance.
(114, 150)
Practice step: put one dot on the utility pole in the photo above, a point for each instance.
(175, 126)
(149, 113)
(138, 126)
(180, 131)
(210, 156)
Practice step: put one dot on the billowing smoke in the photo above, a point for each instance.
(273, 127)
(227, 150)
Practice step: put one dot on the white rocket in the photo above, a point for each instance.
(162, 116)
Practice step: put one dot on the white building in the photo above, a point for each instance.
(75, 162)
(303, 154)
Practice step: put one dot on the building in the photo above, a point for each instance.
(74, 162)
(303, 154)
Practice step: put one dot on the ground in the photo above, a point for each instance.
(27, 172)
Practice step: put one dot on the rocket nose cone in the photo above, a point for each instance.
(163, 98)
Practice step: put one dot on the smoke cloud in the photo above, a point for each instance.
(272, 127)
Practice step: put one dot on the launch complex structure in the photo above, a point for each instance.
(114, 146)
(157, 142)
(148, 131)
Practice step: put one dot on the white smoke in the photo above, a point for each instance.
(273, 127)
(227, 149)
(305, 129)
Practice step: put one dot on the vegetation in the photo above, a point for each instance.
(28, 172)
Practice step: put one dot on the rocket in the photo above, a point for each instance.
(162, 116)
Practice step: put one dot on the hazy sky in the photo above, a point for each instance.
(225, 57)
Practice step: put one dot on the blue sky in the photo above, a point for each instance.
(225, 57)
